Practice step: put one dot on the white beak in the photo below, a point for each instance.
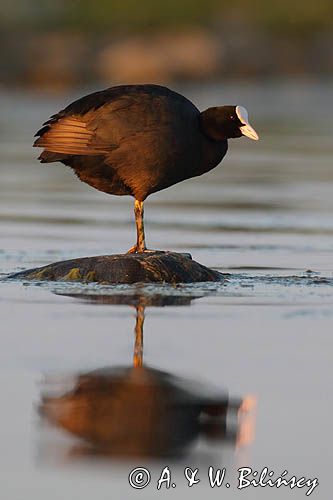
(249, 132)
(246, 129)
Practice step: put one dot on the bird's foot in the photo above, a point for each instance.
(136, 249)
(133, 249)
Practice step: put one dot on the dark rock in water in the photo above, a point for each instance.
(150, 267)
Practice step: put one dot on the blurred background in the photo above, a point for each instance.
(264, 217)
(59, 44)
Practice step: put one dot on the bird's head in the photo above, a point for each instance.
(227, 122)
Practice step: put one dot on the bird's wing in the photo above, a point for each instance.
(85, 127)
(105, 122)
(97, 123)
(73, 135)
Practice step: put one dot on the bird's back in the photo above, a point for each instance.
(134, 139)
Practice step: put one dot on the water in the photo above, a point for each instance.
(264, 217)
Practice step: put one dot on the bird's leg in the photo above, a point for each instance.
(140, 230)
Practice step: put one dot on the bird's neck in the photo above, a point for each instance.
(209, 126)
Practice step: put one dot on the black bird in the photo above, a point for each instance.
(138, 139)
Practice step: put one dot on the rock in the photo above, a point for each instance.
(150, 267)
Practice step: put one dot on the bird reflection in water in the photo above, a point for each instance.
(140, 411)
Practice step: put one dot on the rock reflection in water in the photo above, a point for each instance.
(141, 411)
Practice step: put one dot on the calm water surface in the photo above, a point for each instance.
(264, 217)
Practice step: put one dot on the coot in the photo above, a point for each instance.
(138, 139)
